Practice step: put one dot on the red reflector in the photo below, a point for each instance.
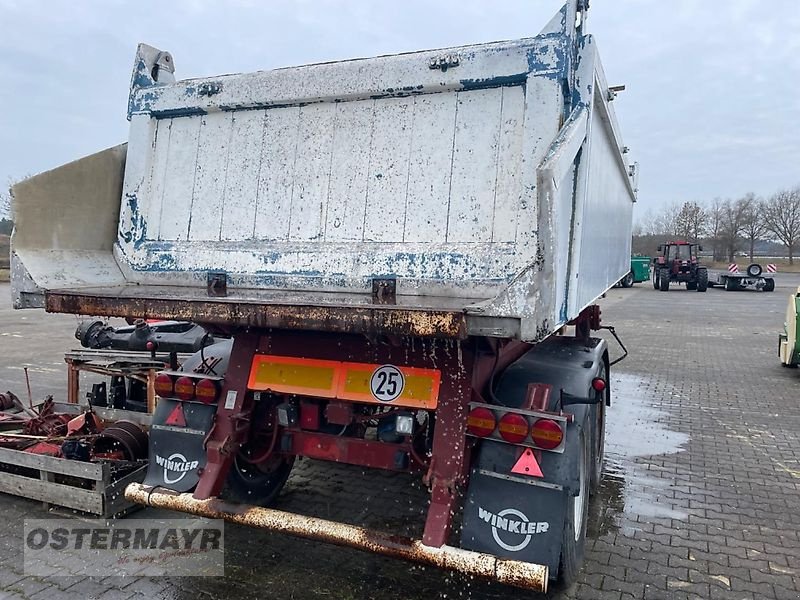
(547, 434)
(481, 422)
(176, 417)
(527, 465)
(513, 428)
(163, 385)
(184, 388)
(206, 390)
(598, 384)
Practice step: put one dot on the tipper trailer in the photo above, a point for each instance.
(404, 251)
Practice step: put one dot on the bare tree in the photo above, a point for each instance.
(754, 226)
(714, 226)
(663, 223)
(733, 217)
(690, 222)
(5, 203)
(782, 216)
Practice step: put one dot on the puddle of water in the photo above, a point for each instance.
(635, 430)
(634, 426)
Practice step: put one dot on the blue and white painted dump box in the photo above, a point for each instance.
(486, 185)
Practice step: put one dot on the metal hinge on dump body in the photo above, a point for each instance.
(217, 283)
(444, 62)
(384, 291)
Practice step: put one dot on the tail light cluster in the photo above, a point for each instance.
(535, 429)
(187, 387)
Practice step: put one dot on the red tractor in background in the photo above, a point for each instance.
(677, 261)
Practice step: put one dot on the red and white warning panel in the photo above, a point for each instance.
(733, 268)
(771, 268)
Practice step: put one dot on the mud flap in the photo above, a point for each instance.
(177, 455)
(510, 517)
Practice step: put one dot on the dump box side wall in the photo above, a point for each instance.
(66, 226)
(604, 195)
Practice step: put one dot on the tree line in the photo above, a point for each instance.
(6, 224)
(726, 226)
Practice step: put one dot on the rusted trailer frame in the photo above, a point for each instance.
(348, 313)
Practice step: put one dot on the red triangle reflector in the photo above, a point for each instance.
(176, 416)
(527, 465)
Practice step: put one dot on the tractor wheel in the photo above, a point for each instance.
(769, 285)
(691, 285)
(731, 284)
(702, 280)
(655, 279)
(627, 281)
(663, 280)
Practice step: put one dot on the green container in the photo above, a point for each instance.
(640, 267)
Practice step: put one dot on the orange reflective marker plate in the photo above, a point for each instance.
(361, 382)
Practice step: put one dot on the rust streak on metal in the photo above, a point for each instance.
(520, 574)
(341, 319)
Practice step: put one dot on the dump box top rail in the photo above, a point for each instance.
(483, 186)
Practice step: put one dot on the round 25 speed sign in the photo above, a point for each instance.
(387, 383)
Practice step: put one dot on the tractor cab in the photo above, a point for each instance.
(677, 256)
(677, 261)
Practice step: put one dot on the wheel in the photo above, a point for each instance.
(655, 279)
(702, 280)
(769, 285)
(598, 416)
(627, 281)
(257, 483)
(663, 280)
(691, 285)
(754, 270)
(731, 284)
(573, 540)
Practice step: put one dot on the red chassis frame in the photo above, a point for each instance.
(466, 366)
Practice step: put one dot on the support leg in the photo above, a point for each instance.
(450, 454)
(232, 420)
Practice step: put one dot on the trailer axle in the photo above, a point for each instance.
(511, 572)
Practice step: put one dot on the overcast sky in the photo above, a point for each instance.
(712, 106)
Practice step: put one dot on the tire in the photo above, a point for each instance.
(731, 284)
(598, 416)
(754, 270)
(769, 285)
(655, 279)
(257, 484)
(663, 280)
(702, 280)
(573, 541)
(627, 281)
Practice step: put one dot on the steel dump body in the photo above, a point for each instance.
(487, 183)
